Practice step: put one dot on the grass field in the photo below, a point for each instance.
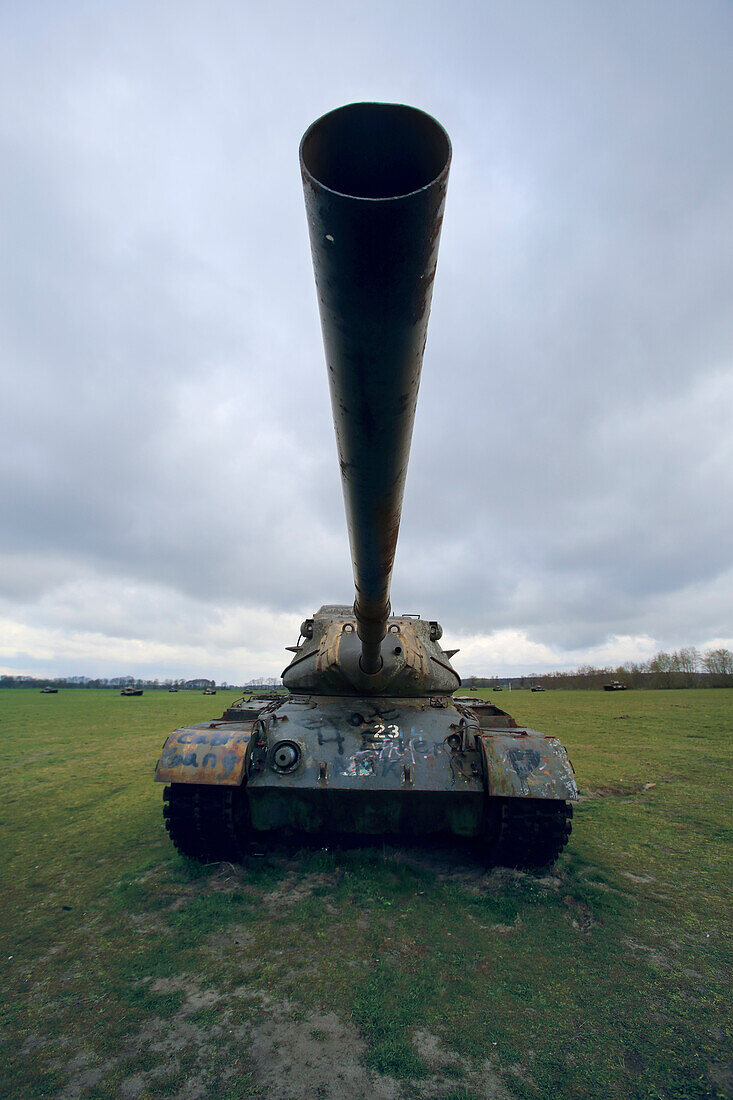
(385, 971)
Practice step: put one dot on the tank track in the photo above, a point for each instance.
(206, 823)
(529, 833)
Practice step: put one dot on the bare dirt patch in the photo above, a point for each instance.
(298, 1058)
(460, 865)
(222, 944)
(295, 887)
(290, 1055)
(651, 955)
(481, 1081)
(83, 1076)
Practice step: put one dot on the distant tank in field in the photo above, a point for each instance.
(370, 739)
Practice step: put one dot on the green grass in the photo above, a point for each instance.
(124, 966)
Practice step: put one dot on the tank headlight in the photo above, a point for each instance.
(285, 756)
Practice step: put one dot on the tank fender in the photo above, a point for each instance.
(522, 763)
(213, 753)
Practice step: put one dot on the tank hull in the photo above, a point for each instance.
(313, 765)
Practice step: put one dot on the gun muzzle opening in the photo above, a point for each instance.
(375, 150)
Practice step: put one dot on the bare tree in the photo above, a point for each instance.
(686, 662)
(661, 667)
(719, 663)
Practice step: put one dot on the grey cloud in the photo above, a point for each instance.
(165, 413)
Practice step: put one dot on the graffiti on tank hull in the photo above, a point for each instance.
(171, 758)
(385, 748)
(203, 756)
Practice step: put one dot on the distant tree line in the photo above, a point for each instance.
(113, 682)
(129, 681)
(684, 668)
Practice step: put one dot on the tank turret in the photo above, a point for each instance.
(329, 660)
(370, 739)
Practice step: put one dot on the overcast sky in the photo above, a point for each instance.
(169, 494)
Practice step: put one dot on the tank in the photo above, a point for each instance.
(370, 739)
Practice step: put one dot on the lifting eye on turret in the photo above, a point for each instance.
(436, 632)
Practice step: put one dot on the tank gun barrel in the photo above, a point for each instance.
(375, 178)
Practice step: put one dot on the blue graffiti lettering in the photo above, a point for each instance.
(229, 761)
(218, 740)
